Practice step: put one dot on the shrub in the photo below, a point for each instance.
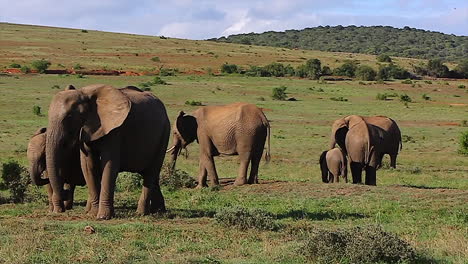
(464, 123)
(461, 86)
(405, 98)
(392, 71)
(84, 31)
(381, 97)
(155, 59)
(25, 69)
(158, 80)
(16, 179)
(426, 97)
(128, 182)
(40, 65)
(229, 68)
(384, 58)
(55, 86)
(176, 179)
(193, 103)
(365, 73)
(368, 244)
(428, 82)
(346, 69)
(168, 72)
(77, 66)
(37, 110)
(437, 69)
(80, 76)
(339, 99)
(244, 219)
(463, 143)
(15, 65)
(279, 93)
(407, 82)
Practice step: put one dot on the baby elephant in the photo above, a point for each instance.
(333, 163)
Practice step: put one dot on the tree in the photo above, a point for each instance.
(365, 73)
(384, 58)
(313, 68)
(41, 65)
(279, 93)
(229, 68)
(437, 69)
(346, 69)
(462, 69)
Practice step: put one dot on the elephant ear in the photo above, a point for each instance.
(39, 131)
(187, 126)
(108, 108)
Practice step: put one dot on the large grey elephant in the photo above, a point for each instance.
(117, 130)
(37, 168)
(333, 164)
(363, 144)
(391, 143)
(234, 129)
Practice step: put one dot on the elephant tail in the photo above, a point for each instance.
(268, 154)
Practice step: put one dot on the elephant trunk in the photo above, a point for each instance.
(174, 152)
(35, 172)
(323, 166)
(54, 161)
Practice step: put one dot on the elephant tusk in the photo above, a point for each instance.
(171, 149)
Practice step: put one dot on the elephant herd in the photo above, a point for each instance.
(98, 131)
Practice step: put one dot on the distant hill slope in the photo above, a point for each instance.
(406, 42)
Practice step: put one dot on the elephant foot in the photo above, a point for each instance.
(92, 211)
(58, 209)
(51, 208)
(240, 182)
(105, 214)
(200, 186)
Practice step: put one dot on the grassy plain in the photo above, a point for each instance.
(424, 200)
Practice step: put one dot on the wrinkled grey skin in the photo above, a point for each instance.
(333, 164)
(234, 129)
(116, 130)
(37, 169)
(391, 140)
(363, 145)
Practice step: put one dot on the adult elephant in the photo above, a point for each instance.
(117, 130)
(37, 168)
(363, 144)
(234, 129)
(391, 143)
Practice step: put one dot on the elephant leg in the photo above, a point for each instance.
(110, 160)
(330, 177)
(255, 163)
(49, 197)
(337, 178)
(92, 177)
(243, 168)
(356, 171)
(202, 173)
(151, 199)
(393, 160)
(210, 167)
(371, 176)
(70, 193)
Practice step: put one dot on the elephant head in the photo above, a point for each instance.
(185, 132)
(324, 166)
(36, 157)
(76, 117)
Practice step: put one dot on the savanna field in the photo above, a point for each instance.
(423, 201)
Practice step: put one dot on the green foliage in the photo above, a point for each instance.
(77, 66)
(392, 71)
(409, 42)
(369, 244)
(462, 69)
(405, 98)
(463, 149)
(311, 69)
(464, 123)
(244, 219)
(168, 71)
(55, 86)
(128, 182)
(15, 65)
(346, 69)
(428, 82)
(279, 93)
(40, 65)
(436, 68)
(426, 97)
(84, 31)
(381, 97)
(158, 80)
(16, 179)
(384, 58)
(461, 86)
(339, 99)
(80, 76)
(37, 110)
(25, 69)
(193, 103)
(176, 179)
(229, 68)
(365, 73)
(156, 59)
(407, 82)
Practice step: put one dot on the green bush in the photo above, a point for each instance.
(426, 97)
(346, 69)
(77, 66)
(176, 179)
(368, 244)
(463, 143)
(25, 69)
(384, 58)
(158, 80)
(244, 219)
(156, 59)
(168, 71)
(37, 110)
(193, 103)
(405, 98)
(365, 73)
(428, 82)
(16, 179)
(279, 93)
(339, 99)
(40, 65)
(84, 31)
(15, 65)
(392, 71)
(229, 68)
(128, 182)
(461, 86)
(381, 97)
(407, 82)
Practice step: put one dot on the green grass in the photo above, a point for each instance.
(423, 201)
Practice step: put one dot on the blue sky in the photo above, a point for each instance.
(214, 18)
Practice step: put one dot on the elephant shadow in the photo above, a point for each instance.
(425, 187)
(327, 215)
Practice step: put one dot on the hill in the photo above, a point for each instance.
(66, 48)
(406, 42)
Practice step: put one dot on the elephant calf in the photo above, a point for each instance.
(37, 166)
(234, 129)
(333, 163)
